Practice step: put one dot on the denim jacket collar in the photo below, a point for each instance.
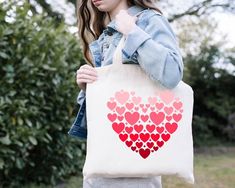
(94, 46)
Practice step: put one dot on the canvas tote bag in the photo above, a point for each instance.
(136, 127)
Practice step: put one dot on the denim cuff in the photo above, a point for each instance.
(81, 96)
(133, 41)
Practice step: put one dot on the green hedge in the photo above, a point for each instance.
(214, 94)
(37, 99)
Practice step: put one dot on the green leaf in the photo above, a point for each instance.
(33, 140)
(5, 140)
(1, 163)
(19, 163)
(4, 55)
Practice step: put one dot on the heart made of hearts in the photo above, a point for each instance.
(144, 127)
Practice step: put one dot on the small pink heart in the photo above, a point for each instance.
(122, 96)
(167, 96)
(111, 105)
(129, 106)
(168, 110)
(136, 100)
(144, 110)
(177, 105)
(111, 98)
(168, 118)
(132, 93)
(152, 100)
(159, 105)
(177, 117)
(120, 118)
(120, 110)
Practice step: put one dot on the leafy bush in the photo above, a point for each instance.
(214, 95)
(37, 99)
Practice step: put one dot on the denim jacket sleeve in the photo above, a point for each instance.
(79, 127)
(156, 50)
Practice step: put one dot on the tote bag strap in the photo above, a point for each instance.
(117, 57)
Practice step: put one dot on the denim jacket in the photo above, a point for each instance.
(151, 44)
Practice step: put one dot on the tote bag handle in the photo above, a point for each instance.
(117, 57)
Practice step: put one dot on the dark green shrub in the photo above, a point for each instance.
(214, 96)
(38, 61)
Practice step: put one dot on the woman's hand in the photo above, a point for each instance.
(125, 22)
(86, 74)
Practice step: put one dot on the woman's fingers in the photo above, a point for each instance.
(86, 69)
(86, 76)
(87, 72)
(84, 80)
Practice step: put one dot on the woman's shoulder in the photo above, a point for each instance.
(150, 12)
(150, 16)
(154, 21)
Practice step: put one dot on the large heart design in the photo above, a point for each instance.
(144, 127)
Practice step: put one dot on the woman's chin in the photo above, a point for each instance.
(103, 8)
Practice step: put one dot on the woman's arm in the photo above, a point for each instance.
(156, 50)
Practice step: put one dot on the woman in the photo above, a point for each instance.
(150, 42)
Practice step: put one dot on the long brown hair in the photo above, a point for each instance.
(91, 22)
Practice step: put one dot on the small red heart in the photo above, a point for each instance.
(155, 137)
(139, 144)
(165, 137)
(133, 148)
(144, 153)
(134, 137)
(160, 129)
(123, 137)
(171, 127)
(129, 129)
(160, 143)
(138, 128)
(150, 144)
(118, 127)
(150, 128)
(155, 148)
(144, 137)
(129, 143)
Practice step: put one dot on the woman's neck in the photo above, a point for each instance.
(121, 6)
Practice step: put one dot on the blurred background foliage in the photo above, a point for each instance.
(37, 103)
(39, 57)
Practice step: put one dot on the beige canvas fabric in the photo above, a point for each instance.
(136, 127)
